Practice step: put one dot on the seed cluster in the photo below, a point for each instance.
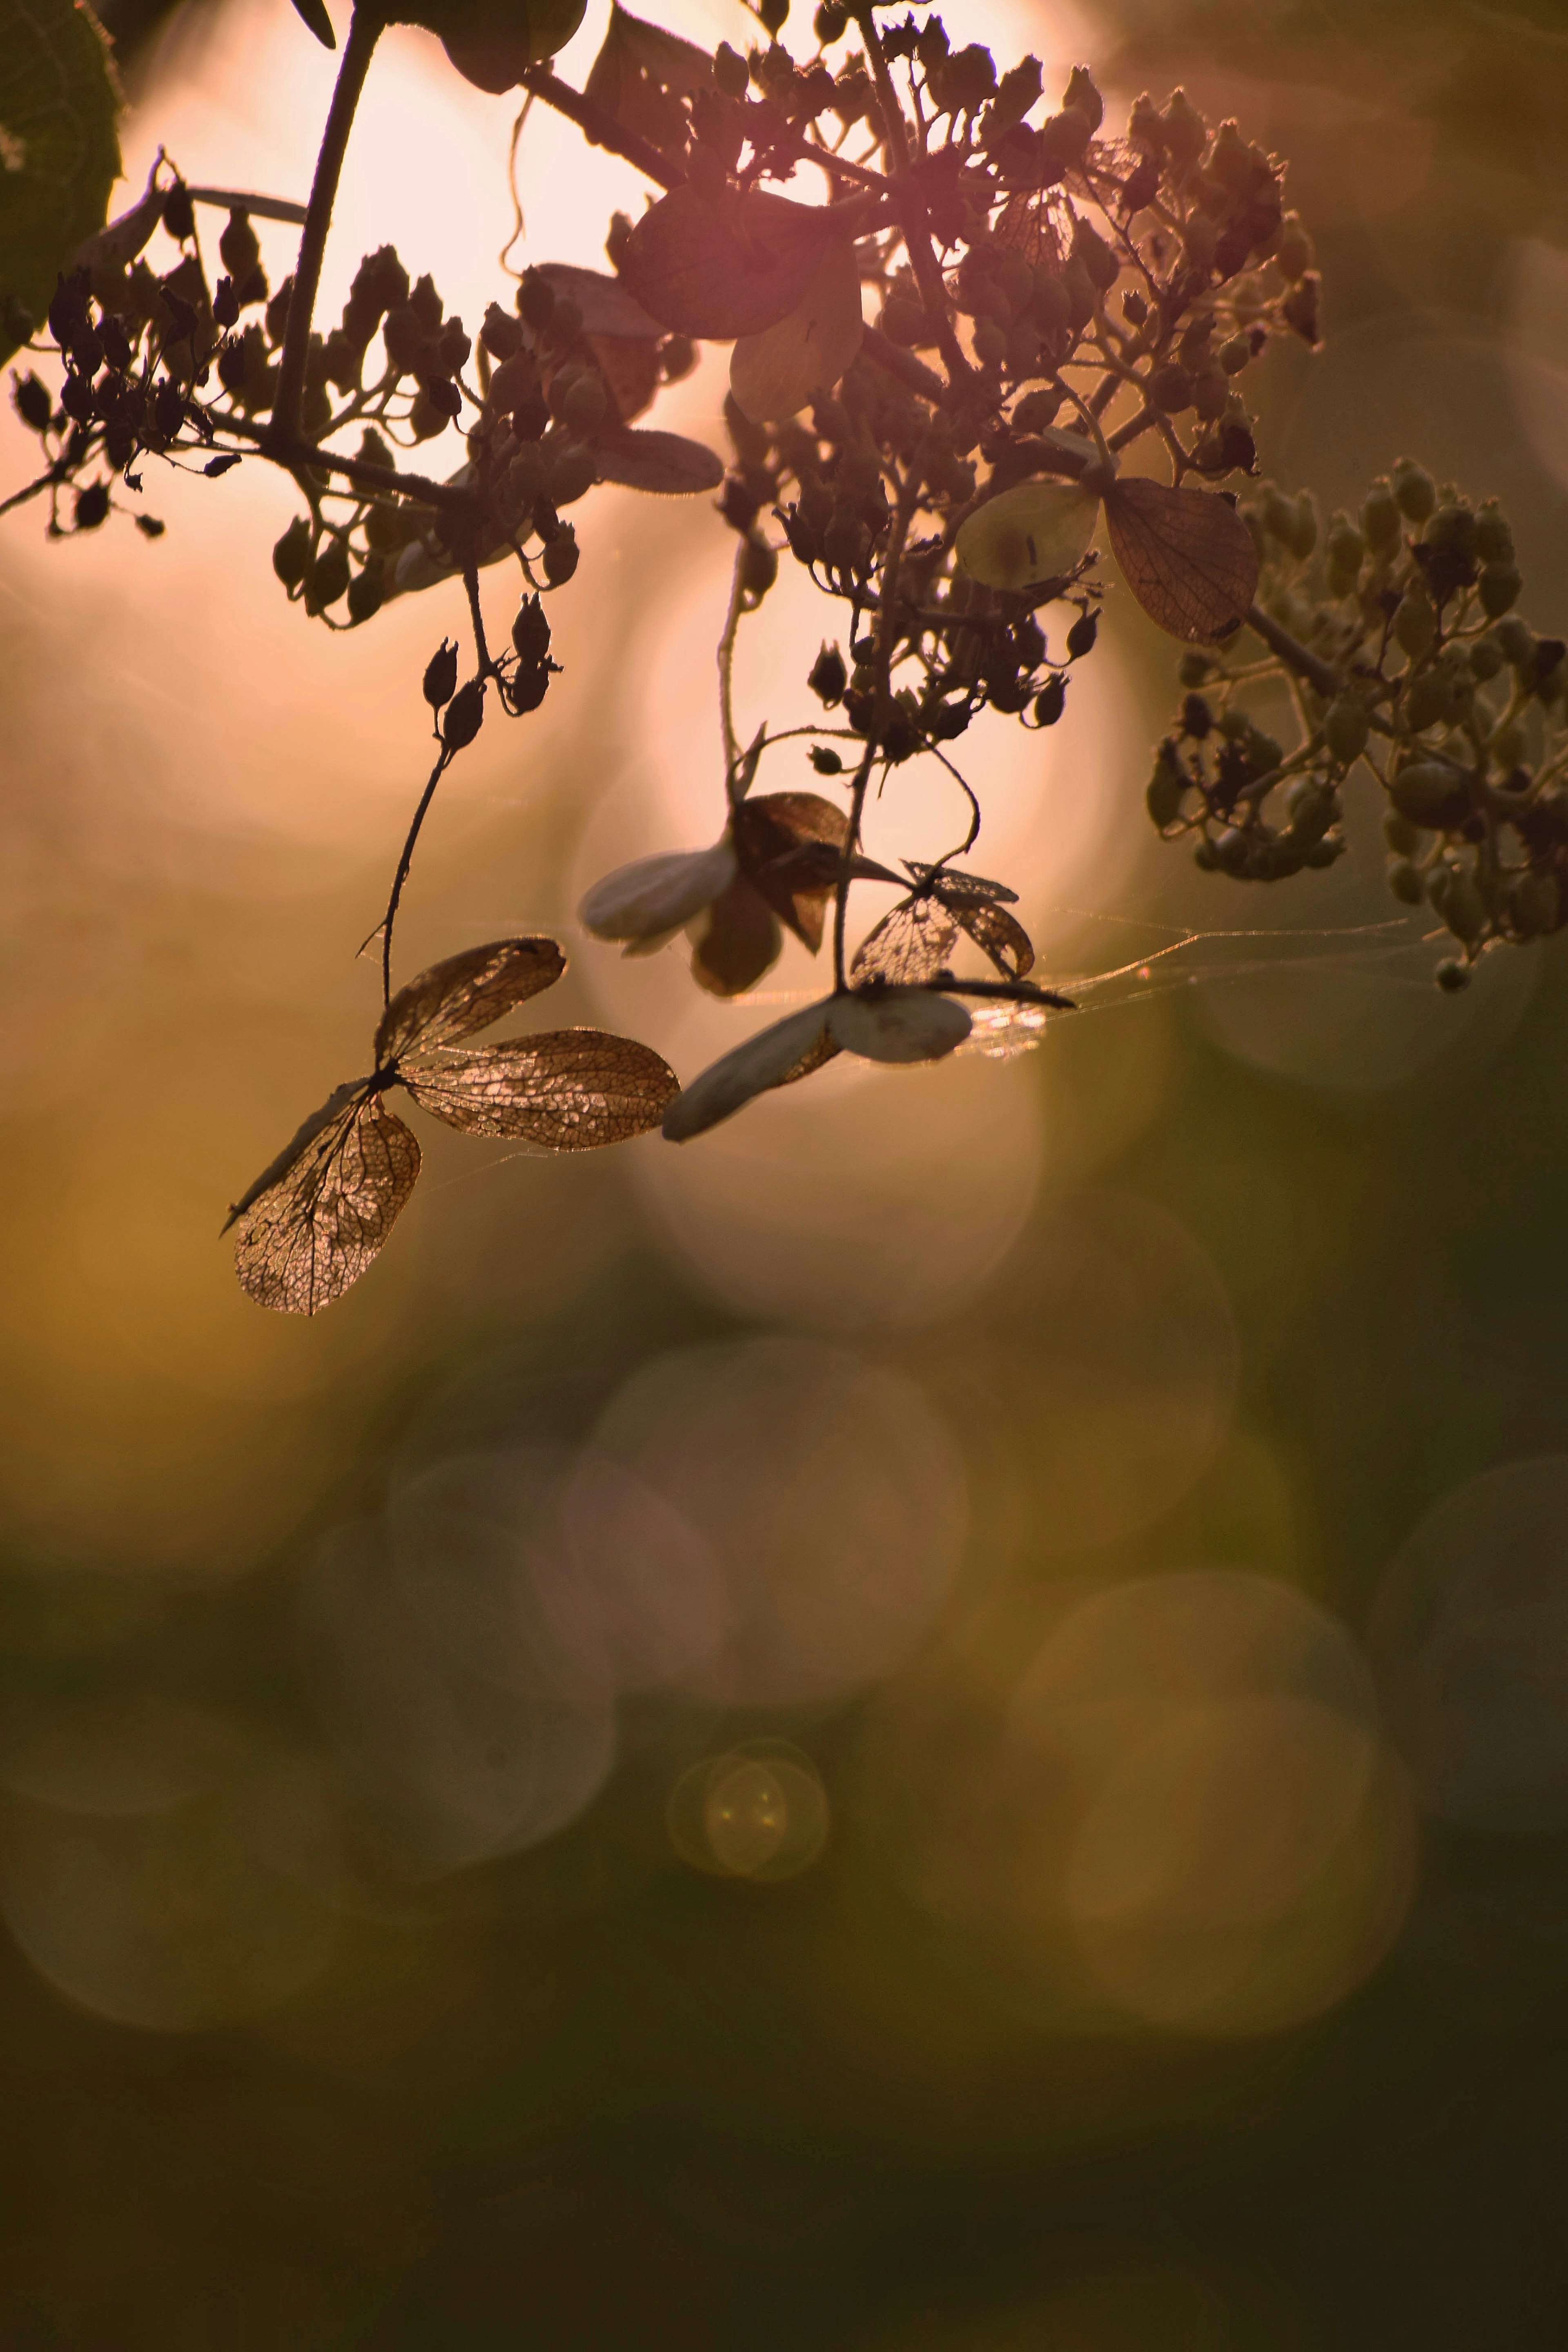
(1418, 671)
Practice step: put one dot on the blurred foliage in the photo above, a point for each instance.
(59, 102)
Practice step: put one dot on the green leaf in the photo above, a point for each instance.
(59, 154)
(315, 15)
(1038, 531)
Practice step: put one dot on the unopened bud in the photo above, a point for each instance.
(1415, 621)
(1082, 635)
(559, 557)
(535, 300)
(1416, 493)
(441, 675)
(1051, 700)
(464, 714)
(1405, 880)
(828, 677)
(1499, 588)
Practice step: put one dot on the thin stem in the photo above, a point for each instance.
(846, 872)
(727, 676)
(599, 127)
(363, 476)
(476, 614)
(1294, 654)
(364, 31)
(401, 876)
(1003, 992)
(893, 360)
(912, 206)
(20, 497)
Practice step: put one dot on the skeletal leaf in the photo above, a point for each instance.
(1034, 532)
(662, 462)
(565, 1089)
(639, 74)
(954, 884)
(739, 940)
(897, 1024)
(1187, 555)
(716, 272)
(465, 993)
(653, 897)
(791, 1049)
(311, 1234)
(768, 834)
(774, 373)
(997, 934)
(910, 944)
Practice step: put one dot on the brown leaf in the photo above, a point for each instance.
(771, 830)
(909, 946)
(1187, 555)
(662, 462)
(717, 271)
(465, 993)
(630, 368)
(996, 932)
(605, 307)
(311, 1234)
(565, 1089)
(741, 938)
(639, 73)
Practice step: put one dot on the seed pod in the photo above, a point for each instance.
(1204, 856)
(464, 714)
(1516, 640)
(903, 321)
(238, 248)
(585, 406)
(291, 555)
(1183, 131)
(179, 213)
(91, 506)
(1233, 851)
(1499, 588)
(1494, 540)
(1312, 807)
(1451, 975)
(1402, 836)
(569, 472)
(559, 557)
(1089, 248)
(536, 300)
(1428, 697)
(1414, 491)
(441, 675)
(367, 591)
(329, 577)
(1170, 388)
(1405, 880)
(1211, 394)
(1082, 635)
(1431, 794)
(758, 567)
(1167, 788)
(1486, 658)
(1464, 909)
(1051, 700)
(731, 72)
(989, 343)
(1416, 620)
(1380, 519)
(1197, 717)
(826, 761)
(1345, 728)
(828, 677)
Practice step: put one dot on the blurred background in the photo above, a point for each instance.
(936, 1724)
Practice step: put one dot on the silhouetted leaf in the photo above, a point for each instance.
(909, 945)
(739, 939)
(567, 1089)
(631, 370)
(775, 374)
(897, 1024)
(465, 993)
(791, 1049)
(603, 303)
(311, 1233)
(59, 105)
(116, 246)
(1187, 555)
(771, 830)
(717, 271)
(662, 462)
(493, 42)
(640, 72)
(1034, 532)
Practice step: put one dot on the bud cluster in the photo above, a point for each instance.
(1395, 633)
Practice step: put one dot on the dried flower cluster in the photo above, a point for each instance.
(935, 374)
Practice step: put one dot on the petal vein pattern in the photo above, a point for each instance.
(566, 1089)
(465, 993)
(310, 1238)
